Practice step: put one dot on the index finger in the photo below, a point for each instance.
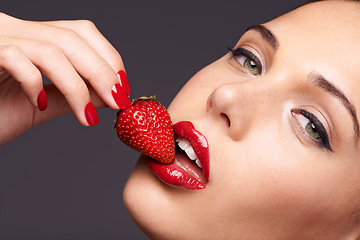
(90, 34)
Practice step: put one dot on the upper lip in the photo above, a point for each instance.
(177, 175)
(198, 141)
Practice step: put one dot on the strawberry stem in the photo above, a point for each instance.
(143, 98)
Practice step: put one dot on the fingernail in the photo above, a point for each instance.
(120, 97)
(124, 82)
(42, 101)
(91, 115)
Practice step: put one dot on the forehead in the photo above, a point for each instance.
(323, 37)
(321, 25)
(325, 12)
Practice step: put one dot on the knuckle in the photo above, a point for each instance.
(115, 55)
(76, 92)
(10, 52)
(48, 49)
(68, 36)
(34, 77)
(103, 70)
(101, 73)
(113, 58)
(86, 25)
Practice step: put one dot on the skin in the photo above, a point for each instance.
(67, 53)
(268, 178)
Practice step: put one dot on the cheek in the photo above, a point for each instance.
(267, 184)
(191, 101)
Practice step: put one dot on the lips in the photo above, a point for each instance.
(184, 172)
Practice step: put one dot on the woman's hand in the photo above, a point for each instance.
(73, 55)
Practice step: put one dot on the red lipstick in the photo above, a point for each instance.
(175, 175)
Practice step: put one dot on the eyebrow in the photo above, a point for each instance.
(266, 34)
(327, 86)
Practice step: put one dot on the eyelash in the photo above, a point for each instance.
(247, 54)
(324, 138)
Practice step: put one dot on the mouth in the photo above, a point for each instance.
(191, 168)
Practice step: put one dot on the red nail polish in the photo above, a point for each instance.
(91, 115)
(124, 82)
(42, 101)
(120, 97)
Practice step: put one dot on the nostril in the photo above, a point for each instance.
(226, 119)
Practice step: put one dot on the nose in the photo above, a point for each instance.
(237, 106)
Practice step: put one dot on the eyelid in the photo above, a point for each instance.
(324, 137)
(249, 54)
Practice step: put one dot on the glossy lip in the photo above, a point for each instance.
(175, 175)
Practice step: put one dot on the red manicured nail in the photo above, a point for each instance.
(42, 101)
(124, 82)
(120, 97)
(91, 115)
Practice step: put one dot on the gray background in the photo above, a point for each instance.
(60, 180)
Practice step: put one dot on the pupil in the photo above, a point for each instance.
(312, 130)
(253, 64)
(313, 127)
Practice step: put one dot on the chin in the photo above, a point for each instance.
(145, 199)
(160, 210)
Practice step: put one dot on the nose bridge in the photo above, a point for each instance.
(240, 103)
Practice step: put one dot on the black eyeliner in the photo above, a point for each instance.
(246, 53)
(319, 126)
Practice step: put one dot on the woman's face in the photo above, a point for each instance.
(279, 115)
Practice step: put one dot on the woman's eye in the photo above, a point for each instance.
(251, 66)
(248, 60)
(312, 127)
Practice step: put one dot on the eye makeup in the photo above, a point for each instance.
(248, 55)
(312, 127)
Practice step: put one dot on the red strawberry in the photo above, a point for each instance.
(146, 127)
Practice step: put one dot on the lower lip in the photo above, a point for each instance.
(175, 175)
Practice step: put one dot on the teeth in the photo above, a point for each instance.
(191, 154)
(184, 144)
(187, 148)
(178, 163)
(197, 161)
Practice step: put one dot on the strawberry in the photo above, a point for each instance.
(146, 127)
